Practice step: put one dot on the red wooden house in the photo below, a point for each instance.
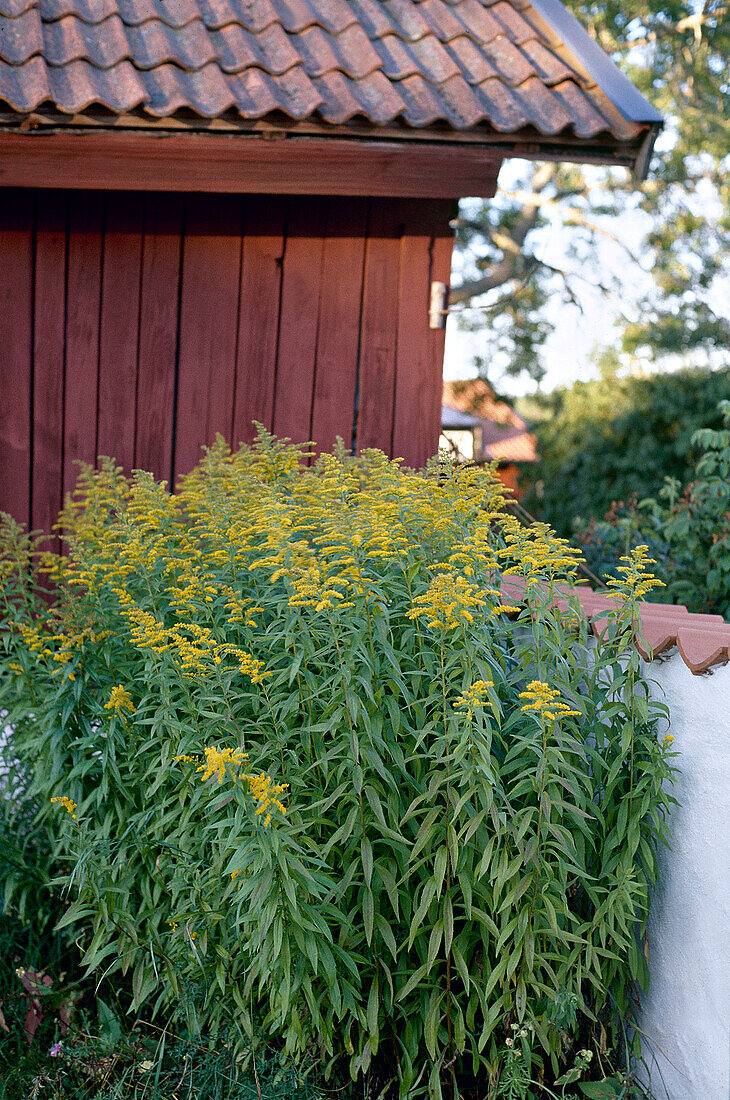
(215, 211)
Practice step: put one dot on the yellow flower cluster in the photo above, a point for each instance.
(190, 593)
(536, 552)
(240, 610)
(219, 761)
(449, 601)
(249, 665)
(266, 793)
(60, 648)
(68, 804)
(546, 702)
(319, 588)
(119, 700)
(636, 579)
(261, 787)
(473, 697)
(193, 646)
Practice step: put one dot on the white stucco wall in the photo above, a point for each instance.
(686, 1014)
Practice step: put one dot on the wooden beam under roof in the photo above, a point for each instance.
(135, 161)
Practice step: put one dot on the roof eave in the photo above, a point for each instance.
(625, 96)
(482, 141)
(643, 158)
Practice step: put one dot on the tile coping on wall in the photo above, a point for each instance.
(703, 641)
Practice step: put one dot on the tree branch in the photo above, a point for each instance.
(511, 245)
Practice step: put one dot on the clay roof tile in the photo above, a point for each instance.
(441, 19)
(11, 8)
(21, 36)
(472, 61)
(702, 641)
(350, 52)
(465, 64)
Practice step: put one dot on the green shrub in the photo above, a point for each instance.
(688, 529)
(308, 778)
(611, 438)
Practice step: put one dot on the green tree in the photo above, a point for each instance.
(678, 53)
(606, 440)
(687, 529)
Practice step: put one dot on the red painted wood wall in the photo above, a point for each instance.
(140, 325)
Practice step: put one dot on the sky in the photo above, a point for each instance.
(567, 353)
(578, 332)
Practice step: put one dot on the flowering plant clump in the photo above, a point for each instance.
(329, 786)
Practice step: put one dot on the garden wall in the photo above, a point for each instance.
(686, 1015)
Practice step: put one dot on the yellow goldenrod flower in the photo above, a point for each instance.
(636, 579)
(545, 701)
(449, 601)
(536, 551)
(251, 667)
(265, 792)
(68, 804)
(473, 697)
(262, 788)
(219, 761)
(667, 741)
(119, 700)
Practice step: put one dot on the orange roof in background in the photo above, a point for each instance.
(703, 641)
(459, 64)
(505, 434)
(475, 395)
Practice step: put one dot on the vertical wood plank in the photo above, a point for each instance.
(119, 327)
(379, 326)
(48, 360)
(419, 365)
(158, 321)
(16, 338)
(441, 254)
(300, 295)
(85, 219)
(338, 333)
(211, 269)
(258, 325)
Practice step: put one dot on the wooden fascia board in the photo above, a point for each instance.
(236, 164)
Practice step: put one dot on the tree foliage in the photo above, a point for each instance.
(607, 440)
(687, 528)
(678, 53)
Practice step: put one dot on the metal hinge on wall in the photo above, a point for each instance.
(438, 308)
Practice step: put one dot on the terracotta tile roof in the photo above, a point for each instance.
(458, 64)
(511, 446)
(702, 641)
(505, 434)
(475, 395)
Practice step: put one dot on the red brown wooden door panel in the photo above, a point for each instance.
(140, 325)
(83, 313)
(158, 324)
(16, 352)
